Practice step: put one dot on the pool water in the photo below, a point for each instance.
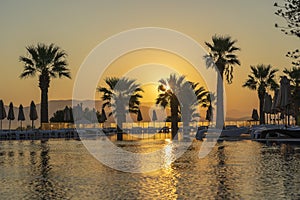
(64, 169)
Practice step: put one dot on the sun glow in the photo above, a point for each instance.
(167, 87)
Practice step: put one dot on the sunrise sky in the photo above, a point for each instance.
(79, 26)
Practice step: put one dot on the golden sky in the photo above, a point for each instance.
(79, 26)
(147, 67)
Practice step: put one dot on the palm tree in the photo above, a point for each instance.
(191, 96)
(294, 77)
(209, 101)
(262, 78)
(182, 97)
(122, 95)
(169, 89)
(46, 62)
(222, 55)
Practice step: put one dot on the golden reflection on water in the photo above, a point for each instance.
(59, 169)
(168, 154)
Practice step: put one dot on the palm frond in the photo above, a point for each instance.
(29, 71)
(222, 55)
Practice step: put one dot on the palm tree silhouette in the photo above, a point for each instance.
(209, 101)
(294, 77)
(222, 56)
(182, 96)
(46, 62)
(262, 78)
(191, 96)
(122, 95)
(169, 88)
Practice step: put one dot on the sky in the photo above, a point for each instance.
(79, 26)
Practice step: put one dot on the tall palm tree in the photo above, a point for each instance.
(262, 78)
(45, 61)
(123, 96)
(222, 55)
(294, 77)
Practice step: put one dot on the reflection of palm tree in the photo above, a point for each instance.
(43, 185)
(294, 77)
(261, 78)
(222, 172)
(122, 94)
(47, 62)
(222, 55)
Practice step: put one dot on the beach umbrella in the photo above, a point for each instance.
(10, 115)
(267, 107)
(154, 116)
(2, 113)
(32, 113)
(103, 117)
(93, 117)
(21, 116)
(77, 112)
(255, 116)
(274, 109)
(284, 99)
(267, 103)
(67, 114)
(139, 116)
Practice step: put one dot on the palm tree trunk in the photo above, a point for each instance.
(186, 124)
(119, 133)
(174, 126)
(44, 105)
(261, 111)
(44, 83)
(120, 120)
(261, 95)
(297, 102)
(174, 116)
(220, 101)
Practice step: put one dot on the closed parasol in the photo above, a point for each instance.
(67, 114)
(32, 113)
(284, 99)
(21, 116)
(10, 115)
(267, 105)
(154, 116)
(274, 109)
(255, 116)
(2, 113)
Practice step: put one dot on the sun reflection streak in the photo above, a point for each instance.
(169, 156)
